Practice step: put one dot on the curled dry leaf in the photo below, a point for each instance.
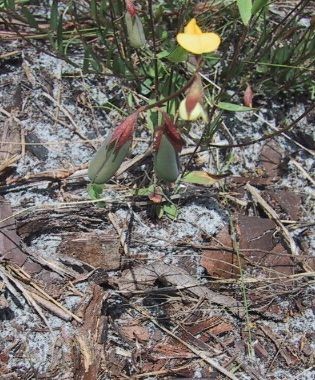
(143, 277)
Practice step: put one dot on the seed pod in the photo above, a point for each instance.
(135, 31)
(168, 142)
(131, 7)
(166, 165)
(112, 153)
(191, 107)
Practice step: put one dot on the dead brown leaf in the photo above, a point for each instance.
(142, 278)
(134, 331)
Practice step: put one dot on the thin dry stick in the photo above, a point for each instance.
(20, 272)
(27, 295)
(273, 215)
(50, 307)
(122, 237)
(202, 354)
(265, 121)
(162, 371)
(302, 170)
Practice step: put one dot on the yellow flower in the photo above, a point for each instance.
(197, 42)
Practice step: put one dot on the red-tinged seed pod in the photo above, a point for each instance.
(131, 9)
(113, 151)
(191, 107)
(166, 164)
(167, 143)
(248, 96)
(135, 31)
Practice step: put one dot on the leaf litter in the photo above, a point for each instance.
(85, 295)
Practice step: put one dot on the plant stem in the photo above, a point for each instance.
(176, 93)
(156, 70)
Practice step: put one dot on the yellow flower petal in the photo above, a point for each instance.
(192, 27)
(183, 114)
(199, 43)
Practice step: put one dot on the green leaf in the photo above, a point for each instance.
(211, 58)
(162, 54)
(233, 107)
(59, 34)
(201, 178)
(170, 210)
(29, 17)
(95, 190)
(9, 4)
(93, 9)
(258, 5)
(119, 66)
(86, 61)
(54, 16)
(154, 119)
(144, 191)
(178, 54)
(245, 9)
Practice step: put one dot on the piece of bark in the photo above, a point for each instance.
(267, 172)
(285, 349)
(133, 330)
(39, 151)
(260, 351)
(88, 351)
(256, 232)
(10, 139)
(259, 246)
(96, 249)
(214, 325)
(9, 240)
(220, 261)
(270, 159)
(31, 267)
(284, 201)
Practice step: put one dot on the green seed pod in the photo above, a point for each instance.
(135, 30)
(114, 150)
(106, 162)
(166, 164)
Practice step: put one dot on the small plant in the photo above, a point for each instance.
(168, 141)
(176, 74)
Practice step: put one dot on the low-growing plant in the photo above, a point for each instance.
(180, 58)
